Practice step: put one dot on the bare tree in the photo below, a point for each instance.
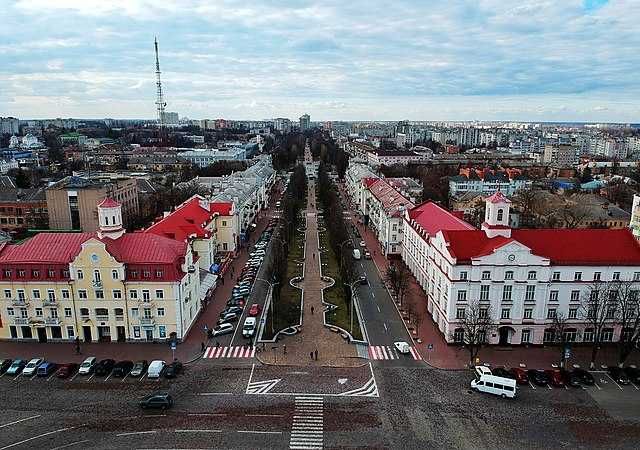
(597, 309)
(398, 276)
(528, 201)
(559, 326)
(573, 213)
(628, 317)
(476, 324)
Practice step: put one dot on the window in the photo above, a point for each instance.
(636, 276)
(51, 273)
(136, 331)
(458, 335)
(483, 313)
(525, 337)
(80, 274)
(463, 275)
(613, 295)
(70, 332)
(587, 336)
(99, 294)
(224, 223)
(38, 312)
(556, 276)
(67, 312)
(159, 293)
(549, 335)
(35, 273)
(117, 294)
(84, 312)
(133, 293)
(160, 312)
(36, 293)
(607, 335)
(577, 276)
(21, 296)
(532, 275)
(51, 295)
(575, 296)
(7, 293)
(530, 294)
(551, 313)
(65, 294)
(24, 313)
(134, 312)
(611, 312)
(147, 313)
(82, 294)
(528, 313)
(53, 313)
(159, 273)
(506, 293)
(597, 276)
(65, 273)
(570, 335)
(145, 295)
(119, 312)
(96, 276)
(484, 292)
(7, 273)
(114, 274)
(573, 313)
(500, 215)
(616, 276)
(134, 274)
(460, 313)
(553, 296)
(162, 331)
(21, 273)
(506, 313)
(10, 312)
(102, 312)
(146, 274)
(462, 296)
(508, 275)
(486, 275)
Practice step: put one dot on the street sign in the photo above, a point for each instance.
(567, 353)
(429, 346)
(173, 345)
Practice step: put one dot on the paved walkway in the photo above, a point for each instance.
(331, 348)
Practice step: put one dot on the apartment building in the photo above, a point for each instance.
(107, 285)
(562, 155)
(22, 209)
(487, 181)
(525, 277)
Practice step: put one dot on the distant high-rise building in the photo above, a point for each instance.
(282, 125)
(171, 118)
(9, 125)
(560, 154)
(305, 122)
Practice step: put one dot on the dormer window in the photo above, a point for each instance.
(500, 215)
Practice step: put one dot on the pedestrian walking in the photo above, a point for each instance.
(77, 345)
(311, 355)
(284, 348)
(313, 255)
(202, 347)
(315, 353)
(217, 344)
(312, 310)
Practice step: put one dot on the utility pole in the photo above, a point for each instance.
(160, 103)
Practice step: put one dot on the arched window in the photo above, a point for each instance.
(500, 215)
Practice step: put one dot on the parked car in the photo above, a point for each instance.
(4, 365)
(633, 373)
(16, 366)
(255, 309)
(158, 400)
(367, 255)
(229, 317)
(520, 375)
(156, 368)
(223, 328)
(555, 377)
(32, 366)
(584, 376)
(231, 309)
(236, 302)
(569, 378)
(46, 368)
(538, 377)
(87, 365)
(104, 367)
(122, 369)
(139, 368)
(618, 375)
(66, 370)
(402, 347)
(502, 372)
(173, 369)
(249, 327)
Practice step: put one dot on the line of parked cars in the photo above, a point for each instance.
(242, 290)
(91, 365)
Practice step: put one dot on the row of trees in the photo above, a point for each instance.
(289, 149)
(604, 307)
(325, 149)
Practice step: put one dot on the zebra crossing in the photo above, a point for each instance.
(229, 352)
(386, 352)
(307, 428)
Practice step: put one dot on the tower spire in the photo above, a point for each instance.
(160, 103)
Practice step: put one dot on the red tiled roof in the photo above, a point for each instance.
(581, 247)
(190, 218)
(433, 218)
(388, 196)
(222, 208)
(145, 248)
(498, 197)
(108, 203)
(368, 181)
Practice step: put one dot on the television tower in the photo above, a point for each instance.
(160, 103)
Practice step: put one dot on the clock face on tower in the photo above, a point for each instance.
(512, 257)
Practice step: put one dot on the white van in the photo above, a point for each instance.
(504, 387)
(356, 253)
(249, 328)
(155, 369)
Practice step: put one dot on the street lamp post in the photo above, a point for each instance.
(353, 295)
(273, 311)
(346, 241)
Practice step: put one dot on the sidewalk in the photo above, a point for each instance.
(332, 349)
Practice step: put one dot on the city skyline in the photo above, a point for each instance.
(526, 61)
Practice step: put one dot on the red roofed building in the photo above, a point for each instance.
(107, 285)
(523, 278)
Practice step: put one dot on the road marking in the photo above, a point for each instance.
(20, 420)
(258, 432)
(550, 388)
(385, 327)
(597, 385)
(264, 415)
(109, 376)
(207, 414)
(198, 431)
(89, 379)
(71, 444)
(124, 378)
(616, 383)
(142, 377)
(307, 428)
(15, 444)
(134, 433)
(532, 386)
(378, 308)
(53, 375)
(33, 377)
(74, 377)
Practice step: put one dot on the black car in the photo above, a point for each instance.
(139, 368)
(173, 369)
(618, 375)
(633, 373)
(502, 372)
(538, 377)
(584, 377)
(158, 400)
(104, 367)
(5, 364)
(570, 378)
(122, 369)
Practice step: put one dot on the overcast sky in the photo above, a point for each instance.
(537, 60)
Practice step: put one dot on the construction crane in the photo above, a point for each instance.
(160, 103)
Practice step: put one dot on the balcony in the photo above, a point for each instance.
(119, 318)
(49, 302)
(102, 318)
(52, 321)
(147, 321)
(20, 302)
(97, 284)
(21, 321)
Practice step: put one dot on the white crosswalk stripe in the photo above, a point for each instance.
(229, 352)
(386, 352)
(307, 429)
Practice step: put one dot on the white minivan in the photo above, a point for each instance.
(504, 387)
(356, 253)
(249, 328)
(155, 368)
